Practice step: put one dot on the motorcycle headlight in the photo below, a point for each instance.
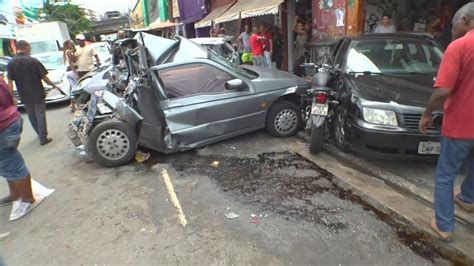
(380, 117)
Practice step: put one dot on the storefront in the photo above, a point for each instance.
(252, 12)
(191, 12)
(217, 8)
(336, 18)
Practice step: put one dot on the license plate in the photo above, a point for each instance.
(320, 109)
(428, 147)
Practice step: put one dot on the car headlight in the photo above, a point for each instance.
(380, 117)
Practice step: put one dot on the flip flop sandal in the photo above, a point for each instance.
(20, 209)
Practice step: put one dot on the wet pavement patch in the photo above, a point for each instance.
(288, 185)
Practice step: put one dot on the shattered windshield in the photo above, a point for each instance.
(397, 56)
(222, 61)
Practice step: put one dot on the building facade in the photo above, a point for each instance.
(189, 13)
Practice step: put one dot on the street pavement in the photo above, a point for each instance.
(172, 209)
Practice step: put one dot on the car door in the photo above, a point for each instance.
(199, 109)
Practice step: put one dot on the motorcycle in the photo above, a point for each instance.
(323, 104)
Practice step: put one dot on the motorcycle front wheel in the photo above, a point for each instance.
(316, 139)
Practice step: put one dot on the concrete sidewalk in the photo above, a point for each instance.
(409, 211)
(422, 193)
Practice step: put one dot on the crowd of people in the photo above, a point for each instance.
(27, 74)
(260, 47)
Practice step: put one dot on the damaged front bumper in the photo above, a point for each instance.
(103, 106)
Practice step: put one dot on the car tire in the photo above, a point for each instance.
(316, 140)
(112, 143)
(284, 119)
(340, 134)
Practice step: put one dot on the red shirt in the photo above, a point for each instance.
(266, 42)
(8, 112)
(456, 73)
(256, 45)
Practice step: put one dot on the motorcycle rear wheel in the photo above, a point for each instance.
(316, 139)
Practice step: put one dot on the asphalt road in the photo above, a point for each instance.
(172, 209)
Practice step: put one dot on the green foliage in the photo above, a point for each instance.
(70, 14)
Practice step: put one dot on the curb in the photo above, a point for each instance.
(395, 181)
(409, 217)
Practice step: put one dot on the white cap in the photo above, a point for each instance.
(80, 37)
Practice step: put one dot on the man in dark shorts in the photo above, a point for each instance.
(12, 165)
(27, 73)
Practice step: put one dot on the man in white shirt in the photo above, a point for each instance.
(386, 26)
(85, 54)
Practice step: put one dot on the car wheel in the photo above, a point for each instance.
(316, 139)
(284, 119)
(340, 134)
(112, 143)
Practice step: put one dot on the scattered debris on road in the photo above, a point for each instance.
(215, 164)
(231, 215)
(141, 157)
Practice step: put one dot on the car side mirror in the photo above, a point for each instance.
(235, 85)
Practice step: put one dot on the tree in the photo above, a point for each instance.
(70, 14)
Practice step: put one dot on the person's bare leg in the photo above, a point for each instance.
(12, 196)
(24, 188)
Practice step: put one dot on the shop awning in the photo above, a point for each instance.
(157, 25)
(261, 8)
(207, 21)
(249, 8)
(161, 25)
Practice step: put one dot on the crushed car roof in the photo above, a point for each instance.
(159, 46)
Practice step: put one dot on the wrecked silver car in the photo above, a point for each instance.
(181, 96)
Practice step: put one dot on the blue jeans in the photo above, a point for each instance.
(12, 165)
(454, 154)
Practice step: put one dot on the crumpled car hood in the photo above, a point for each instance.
(411, 90)
(156, 45)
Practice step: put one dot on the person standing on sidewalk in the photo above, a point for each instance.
(454, 87)
(85, 54)
(267, 42)
(278, 41)
(257, 48)
(244, 43)
(69, 58)
(12, 165)
(28, 73)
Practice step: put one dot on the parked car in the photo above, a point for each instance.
(54, 63)
(181, 96)
(103, 51)
(384, 84)
(221, 46)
